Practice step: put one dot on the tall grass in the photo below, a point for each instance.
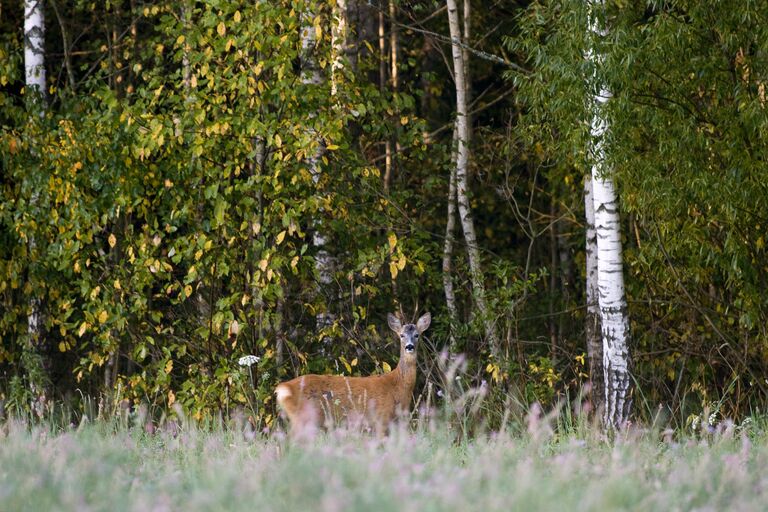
(109, 466)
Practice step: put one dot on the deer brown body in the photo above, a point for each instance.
(324, 400)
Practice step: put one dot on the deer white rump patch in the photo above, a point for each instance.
(282, 392)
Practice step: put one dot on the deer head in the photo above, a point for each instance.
(409, 333)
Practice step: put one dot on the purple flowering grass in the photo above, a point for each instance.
(98, 467)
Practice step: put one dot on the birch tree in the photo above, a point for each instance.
(450, 224)
(339, 42)
(610, 276)
(311, 76)
(34, 71)
(34, 50)
(462, 181)
(592, 321)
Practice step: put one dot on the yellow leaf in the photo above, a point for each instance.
(332, 147)
(198, 254)
(180, 40)
(103, 316)
(77, 267)
(171, 397)
(237, 16)
(62, 346)
(401, 262)
(112, 240)
(263, 264)
(353, 362)
(188, 290)
(83, 328)
(221, 29)
(404, 120)
(392, 239)
(280, 237)
(386, 367)
(294, 261)
(169, 366)
(393, 269)
(193, 81)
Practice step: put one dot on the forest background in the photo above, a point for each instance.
(201, 181)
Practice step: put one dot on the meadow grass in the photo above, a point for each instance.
(105, 466)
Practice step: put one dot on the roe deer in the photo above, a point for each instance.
(322, 400)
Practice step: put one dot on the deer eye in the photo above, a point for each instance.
(416, 336)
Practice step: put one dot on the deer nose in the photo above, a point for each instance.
(409, 347)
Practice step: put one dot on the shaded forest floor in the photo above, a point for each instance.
(104, 466)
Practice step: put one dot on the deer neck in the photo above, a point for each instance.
(406, 367)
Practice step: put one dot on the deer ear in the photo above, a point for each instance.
(423, 323)
(394, 322)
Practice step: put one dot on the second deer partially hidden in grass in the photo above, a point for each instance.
(310, 401)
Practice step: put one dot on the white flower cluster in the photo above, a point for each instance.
(248, 360)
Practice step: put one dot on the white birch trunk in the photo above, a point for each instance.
(339, 38)
(450, 225)
(34, 45)
(592, 322)
(462, 164)
(34, 71)
(610, 275)
(467, 24)
(324, 262)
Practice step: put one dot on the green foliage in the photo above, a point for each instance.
(686, 139)
(693, 161)
(173, 206)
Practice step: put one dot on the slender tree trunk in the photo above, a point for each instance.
(553, 271)
(186, 69)
(324, 262)
(34, 45)
(66, 46)
(565, 263)
(450, 226)
(34, 70)
(383, 59)
(339, 43)
(610, 275)
(394, 62)
(467, 26)
(592, 321)
(462, 181)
